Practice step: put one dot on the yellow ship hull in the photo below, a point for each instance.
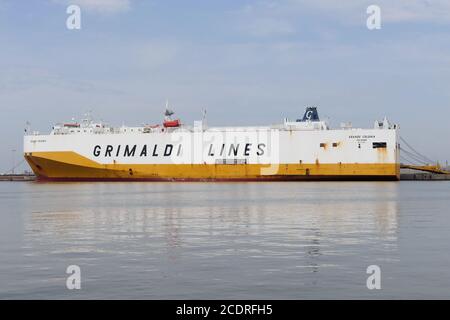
(66, 166)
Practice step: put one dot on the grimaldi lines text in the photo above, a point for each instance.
(304, 149)
(166, 150)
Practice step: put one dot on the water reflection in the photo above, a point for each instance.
(279, 220)
(224, 240)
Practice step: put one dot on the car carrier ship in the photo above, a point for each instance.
(304, 149)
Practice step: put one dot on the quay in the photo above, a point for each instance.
(424, 176)
(17, 177)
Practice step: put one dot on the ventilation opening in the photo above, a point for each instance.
(231, 161)
(377, 145)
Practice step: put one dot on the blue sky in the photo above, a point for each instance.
(247, 62)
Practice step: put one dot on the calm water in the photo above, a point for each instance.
(225, 240)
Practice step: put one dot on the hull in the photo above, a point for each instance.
(69, 166)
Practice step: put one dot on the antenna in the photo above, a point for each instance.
(168, 112)
(13, 152)
(27, 126)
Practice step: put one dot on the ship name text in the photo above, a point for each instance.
(222, 150)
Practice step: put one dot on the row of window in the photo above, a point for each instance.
(324, 145)
(375, 145)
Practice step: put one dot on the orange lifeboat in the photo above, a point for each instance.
(171, 123)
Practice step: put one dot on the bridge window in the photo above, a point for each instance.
(377, 145)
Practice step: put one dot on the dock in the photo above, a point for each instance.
(17, 177)
(424, 174)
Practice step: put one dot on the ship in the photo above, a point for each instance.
(293, 150)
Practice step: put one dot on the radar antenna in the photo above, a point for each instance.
(168, 112)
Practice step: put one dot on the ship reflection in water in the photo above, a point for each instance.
(206, 240)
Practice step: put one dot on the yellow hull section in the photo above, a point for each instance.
(72, 166)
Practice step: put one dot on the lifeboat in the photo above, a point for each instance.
(171, 123)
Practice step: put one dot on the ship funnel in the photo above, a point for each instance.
(311, 114)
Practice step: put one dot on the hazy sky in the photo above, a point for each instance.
(247, 62)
